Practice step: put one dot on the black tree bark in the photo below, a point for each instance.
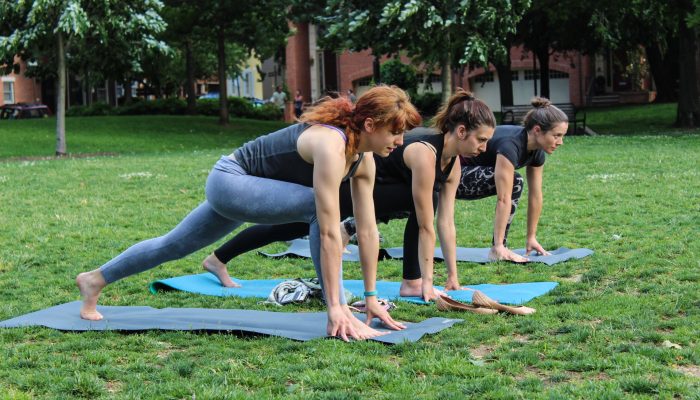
(688, 115)
(223, 95)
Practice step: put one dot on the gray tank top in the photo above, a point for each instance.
(275, 156)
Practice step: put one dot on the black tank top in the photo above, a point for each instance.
(275, 156)
(393, 169)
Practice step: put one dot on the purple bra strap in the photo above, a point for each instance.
(342, 134)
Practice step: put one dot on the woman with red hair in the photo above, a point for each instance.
(291, 175)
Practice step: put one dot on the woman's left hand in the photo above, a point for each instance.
(375, 310)
(533, 245)
(453, 284)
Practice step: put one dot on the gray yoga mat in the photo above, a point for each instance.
(300, 248)
(298, 326)
(481, 255)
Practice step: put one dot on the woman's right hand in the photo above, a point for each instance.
(502, 253)
(429, 291)
(342, 324)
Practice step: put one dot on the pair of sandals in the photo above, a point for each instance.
(481, 304)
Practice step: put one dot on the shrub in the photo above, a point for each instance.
(428, 103)
(394, 72)
(208, 106)
(171, 106)
(95, 109)
(240, 107)
(267, 111)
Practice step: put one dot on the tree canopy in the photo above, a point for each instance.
(108, 35)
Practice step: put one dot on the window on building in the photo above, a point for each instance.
(363, 82)
(514, 75)
(531, 74)
(483, 78)
(8, 92)
(557, 74)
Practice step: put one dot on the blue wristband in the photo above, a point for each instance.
(371, 293)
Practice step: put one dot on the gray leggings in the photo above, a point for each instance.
(233, 197)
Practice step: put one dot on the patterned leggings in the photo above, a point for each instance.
(478, 182)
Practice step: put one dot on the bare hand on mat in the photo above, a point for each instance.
(500, 252)
(342, 324)
(533, 245)
(375, 310)
(429, 291)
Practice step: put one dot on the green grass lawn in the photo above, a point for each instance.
(635, 120)
(127, 135)
(635, 200)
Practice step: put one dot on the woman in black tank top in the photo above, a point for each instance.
(417, 178)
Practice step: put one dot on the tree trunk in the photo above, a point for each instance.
(127, 91)
(543, 58)
(376, 70)
(61, 98)
(223, 95)
(505, 80)
(664, 70)
(688, 115)
(113, 101)
(446, 78)
(189, 87)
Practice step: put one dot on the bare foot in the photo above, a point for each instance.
(216, 267)
(90, 285)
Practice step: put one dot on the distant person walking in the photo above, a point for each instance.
(298, 104)
(351, 96)
(279, 98)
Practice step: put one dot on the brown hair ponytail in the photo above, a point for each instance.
(463, 108)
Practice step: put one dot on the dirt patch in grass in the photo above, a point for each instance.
(573, 278)
(113, 386)
(521, 338)
(690, 370)
(480, 352)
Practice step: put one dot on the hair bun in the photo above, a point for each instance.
(540, 102)
(465, 94)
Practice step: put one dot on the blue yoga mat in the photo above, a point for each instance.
(208, 284)
(300, 248)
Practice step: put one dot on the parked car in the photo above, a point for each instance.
(24, 111)
(210, 95)
(256, 102)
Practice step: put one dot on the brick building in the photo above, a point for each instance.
(314, 71)
(17, 88)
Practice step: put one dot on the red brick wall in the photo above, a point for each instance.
(298, 68)
(357, 65)
(27, 90)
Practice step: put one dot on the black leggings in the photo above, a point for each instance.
(391, 201)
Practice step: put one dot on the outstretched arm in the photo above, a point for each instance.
(534, 209)
(504, 174)
(421, 160)
(326, 150)
(362, 186)
(446, 226)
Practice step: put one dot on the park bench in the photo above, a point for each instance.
(513, 115)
